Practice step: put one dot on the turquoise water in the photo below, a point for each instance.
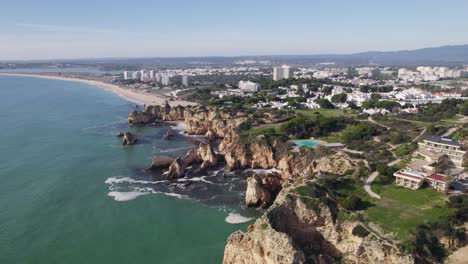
(306, 143)
(70, 193)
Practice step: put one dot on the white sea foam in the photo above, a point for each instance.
(181, 196)
(234, 218)
(180, 126)
(172, 149)
(115, 180)
(126, 196)
(265, 171)
(196, 179)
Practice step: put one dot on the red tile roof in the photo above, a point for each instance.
(437, 177)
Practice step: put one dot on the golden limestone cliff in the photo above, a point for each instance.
(303, 226)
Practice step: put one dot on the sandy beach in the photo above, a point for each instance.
(134, 96)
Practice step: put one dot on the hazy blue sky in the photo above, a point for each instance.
(48, 29)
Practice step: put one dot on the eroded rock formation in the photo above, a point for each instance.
(176, 166)
(262, 189)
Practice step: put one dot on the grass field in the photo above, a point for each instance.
(327, 112)
(400, 210)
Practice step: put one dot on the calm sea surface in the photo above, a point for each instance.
(70, 193)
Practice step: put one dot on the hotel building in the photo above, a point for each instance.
(283, 72)
(449, 147)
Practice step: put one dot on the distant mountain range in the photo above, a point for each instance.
(446, 55)
(438, 55)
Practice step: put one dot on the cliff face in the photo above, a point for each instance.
(153, 113)
(304, 227)
(200, 121)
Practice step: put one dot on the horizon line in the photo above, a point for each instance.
(218, 56)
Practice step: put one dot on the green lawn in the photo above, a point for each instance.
(331, 138)
(327, 112)
(400, 210)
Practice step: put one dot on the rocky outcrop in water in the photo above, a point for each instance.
(128, 139)
(176, 169)
(302, 226)
(169, 134)
(176, 166)
(161, 162)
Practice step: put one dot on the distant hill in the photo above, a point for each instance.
(446, 55)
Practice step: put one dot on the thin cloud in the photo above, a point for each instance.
(67, 29)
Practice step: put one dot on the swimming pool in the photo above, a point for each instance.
(306, 143)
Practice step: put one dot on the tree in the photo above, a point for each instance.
(327, 90)
(375, 97)
(351, 203)
(339, 98)
(324, 103)
(359, 132)
(464, 108)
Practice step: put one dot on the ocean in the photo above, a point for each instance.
(71, 193)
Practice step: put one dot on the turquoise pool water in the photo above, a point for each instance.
(306, 143)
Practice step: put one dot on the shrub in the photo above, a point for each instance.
(360, 231)
(351, 203)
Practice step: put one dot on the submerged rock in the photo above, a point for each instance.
(169, 134)
(129, 139)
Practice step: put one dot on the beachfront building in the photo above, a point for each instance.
(283, 72)
(450, 148)
(166, 80)
(128, 75)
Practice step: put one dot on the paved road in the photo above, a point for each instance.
(368, 183)
(370, 119)
(450, 131)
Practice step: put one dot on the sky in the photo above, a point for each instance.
(70, 29)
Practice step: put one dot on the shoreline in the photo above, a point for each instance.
(129, 95)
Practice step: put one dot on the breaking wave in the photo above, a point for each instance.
(234, 218)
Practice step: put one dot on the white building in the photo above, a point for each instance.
(165, 79)
(185, 80)
(136, 75)
(248, 86)
(283, 72)
(128, 75)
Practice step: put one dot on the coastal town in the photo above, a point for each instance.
(234, 132)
